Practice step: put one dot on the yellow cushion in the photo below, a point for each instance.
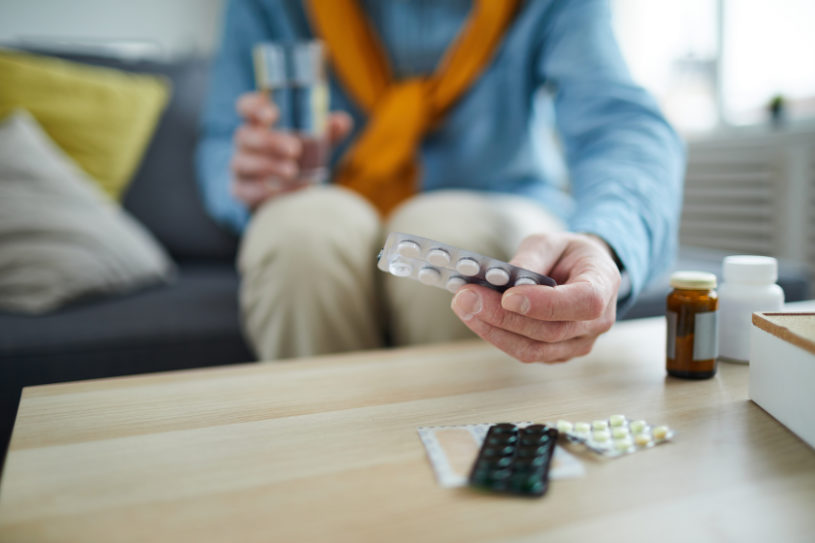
(103, 118)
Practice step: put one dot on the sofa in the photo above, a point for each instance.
(193, 321)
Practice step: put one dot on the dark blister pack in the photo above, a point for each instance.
(515, 459)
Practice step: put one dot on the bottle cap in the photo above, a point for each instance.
(750, 269)
(693, 280)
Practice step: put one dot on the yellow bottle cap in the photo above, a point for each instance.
(693, 280)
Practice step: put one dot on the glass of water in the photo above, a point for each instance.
(292, 75)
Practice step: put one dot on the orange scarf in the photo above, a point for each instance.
(382, 164)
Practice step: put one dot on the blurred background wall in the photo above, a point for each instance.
(153, 28)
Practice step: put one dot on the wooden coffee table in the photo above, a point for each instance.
(326, 449)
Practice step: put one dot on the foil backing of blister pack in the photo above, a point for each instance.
(441, 265)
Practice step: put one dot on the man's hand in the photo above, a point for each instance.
(265, 161)
(535, 323)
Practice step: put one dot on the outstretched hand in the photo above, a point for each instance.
(536, 323)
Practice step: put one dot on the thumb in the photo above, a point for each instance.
(340, 124)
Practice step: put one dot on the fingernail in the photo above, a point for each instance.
(267, 115)
(517, 303)
(466, 304)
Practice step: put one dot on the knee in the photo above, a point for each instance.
(300, 229)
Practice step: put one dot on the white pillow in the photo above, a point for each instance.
(61, 238)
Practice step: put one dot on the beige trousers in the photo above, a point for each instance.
(309, 282)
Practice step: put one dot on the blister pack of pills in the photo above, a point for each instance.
(614, 436)
(515, 459)
(440, 265)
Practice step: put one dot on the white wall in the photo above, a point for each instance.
(166, 28)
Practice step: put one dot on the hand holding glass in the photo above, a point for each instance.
(292, 76)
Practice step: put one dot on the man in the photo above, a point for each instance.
(444, 98)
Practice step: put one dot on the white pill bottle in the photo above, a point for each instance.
(749, 286)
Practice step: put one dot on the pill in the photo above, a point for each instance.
(617, 420)
(467, 266)
(564, 426)
(661, 432)
(409, 249)
(438, 257)
(620, 432)
(525, 281)
(638, 426)
(429, 276)
(582, 427)
(454, 283)
(400, 269)
(622, 444)
(601, 436)
(599, 425)
(497, 276)
(642, 440)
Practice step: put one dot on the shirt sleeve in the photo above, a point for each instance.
(626, 163)
(231, 75)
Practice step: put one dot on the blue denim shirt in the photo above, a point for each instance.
(558, 66)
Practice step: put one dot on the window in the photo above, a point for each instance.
(721, 62)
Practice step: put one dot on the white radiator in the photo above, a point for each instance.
(752, 193)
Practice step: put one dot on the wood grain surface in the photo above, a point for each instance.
(326, 449)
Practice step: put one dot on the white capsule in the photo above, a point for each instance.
(525, 281)
(599, 425)
(642, 440)
(400, 269)
(409, 249)
(467, 266)
(497, 276)
(454, 283)
(438, 257)
(429, 276)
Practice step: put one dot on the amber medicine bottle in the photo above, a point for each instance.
(693, 325)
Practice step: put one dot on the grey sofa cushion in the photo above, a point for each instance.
(193, 322)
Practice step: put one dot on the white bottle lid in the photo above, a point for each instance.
(758, 270)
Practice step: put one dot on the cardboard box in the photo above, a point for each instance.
(782, 369)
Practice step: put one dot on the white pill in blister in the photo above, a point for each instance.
(467, 266)
(438, 257)
(601, 436)
(638, 426)
(617, 420)
(582, 427)
(497, 276)
(408, 248)
(429, 276)
(455, 283)
(564, 426)
(622, 445)
(642, 440)
(661, 432)
(619, 433)
(599, 424)
(400, 269)
(525, 281)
